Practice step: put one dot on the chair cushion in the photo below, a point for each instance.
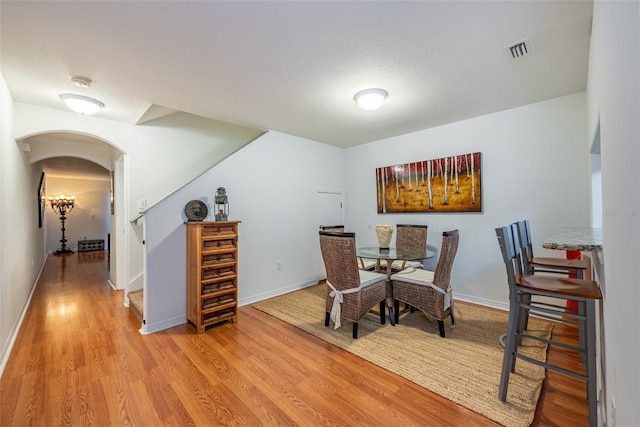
(366, 264)
(397, 264)
(414, 275)
(418, 276)
(370, 277)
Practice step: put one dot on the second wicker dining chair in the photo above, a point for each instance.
(429, 291)
(410, 238)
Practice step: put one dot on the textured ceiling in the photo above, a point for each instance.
(73, 167)
(294, 67)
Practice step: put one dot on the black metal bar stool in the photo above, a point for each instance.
(533, 264)
(523, 293)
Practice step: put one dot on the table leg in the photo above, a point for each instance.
(392, 316)
(389, 299)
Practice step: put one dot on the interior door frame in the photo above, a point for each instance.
(318, 221)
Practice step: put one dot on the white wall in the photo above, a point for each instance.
(271, 184)
(21, 241)
(161, 155)
(614, 106)
(90, 218)
(534, 166)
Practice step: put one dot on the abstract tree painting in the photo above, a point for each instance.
(448, 184)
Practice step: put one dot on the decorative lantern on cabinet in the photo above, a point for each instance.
(222, 204)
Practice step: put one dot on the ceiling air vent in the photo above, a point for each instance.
(519, 49)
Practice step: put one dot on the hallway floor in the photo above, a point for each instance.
(79, 359)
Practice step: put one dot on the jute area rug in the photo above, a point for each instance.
(464, 367)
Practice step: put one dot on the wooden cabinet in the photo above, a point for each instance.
(212, 273)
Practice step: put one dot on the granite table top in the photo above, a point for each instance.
(586, 239)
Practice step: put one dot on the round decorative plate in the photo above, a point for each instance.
(196, 210)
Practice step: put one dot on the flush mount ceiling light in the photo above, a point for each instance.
(370, 99)
(82, 104)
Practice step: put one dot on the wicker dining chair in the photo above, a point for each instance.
(410, 238)
(363, 264)
(429, 291)
(360, 290)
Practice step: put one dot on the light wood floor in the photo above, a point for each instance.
(80, 360)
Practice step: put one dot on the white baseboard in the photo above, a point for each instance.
(504, 306)
(147, 328)
(500, 305)
(276, 292)
(18, 324)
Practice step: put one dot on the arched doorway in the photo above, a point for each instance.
(71, 156)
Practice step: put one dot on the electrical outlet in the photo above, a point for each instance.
(613, 412)
(278, 265)
(142, 204)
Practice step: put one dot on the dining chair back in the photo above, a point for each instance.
(410, 238)
(333, 228)
(351, 292)
(429, 291)
(363, 264)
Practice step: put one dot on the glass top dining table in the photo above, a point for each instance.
(391, 254)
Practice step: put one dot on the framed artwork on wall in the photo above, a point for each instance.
(448, 184)
(111, 195)
(42, 199)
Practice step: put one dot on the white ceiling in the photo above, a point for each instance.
(73, 167)
(66, 166)
(294, 67)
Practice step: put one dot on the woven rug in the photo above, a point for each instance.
(464, 367)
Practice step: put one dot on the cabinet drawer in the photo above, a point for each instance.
(218, 244)
(222, 286)
(218, 316)
(210, 273)
(218, 258)
(209, 230)
(219, 301)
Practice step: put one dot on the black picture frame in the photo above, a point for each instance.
(112, 196)
(42, 197)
